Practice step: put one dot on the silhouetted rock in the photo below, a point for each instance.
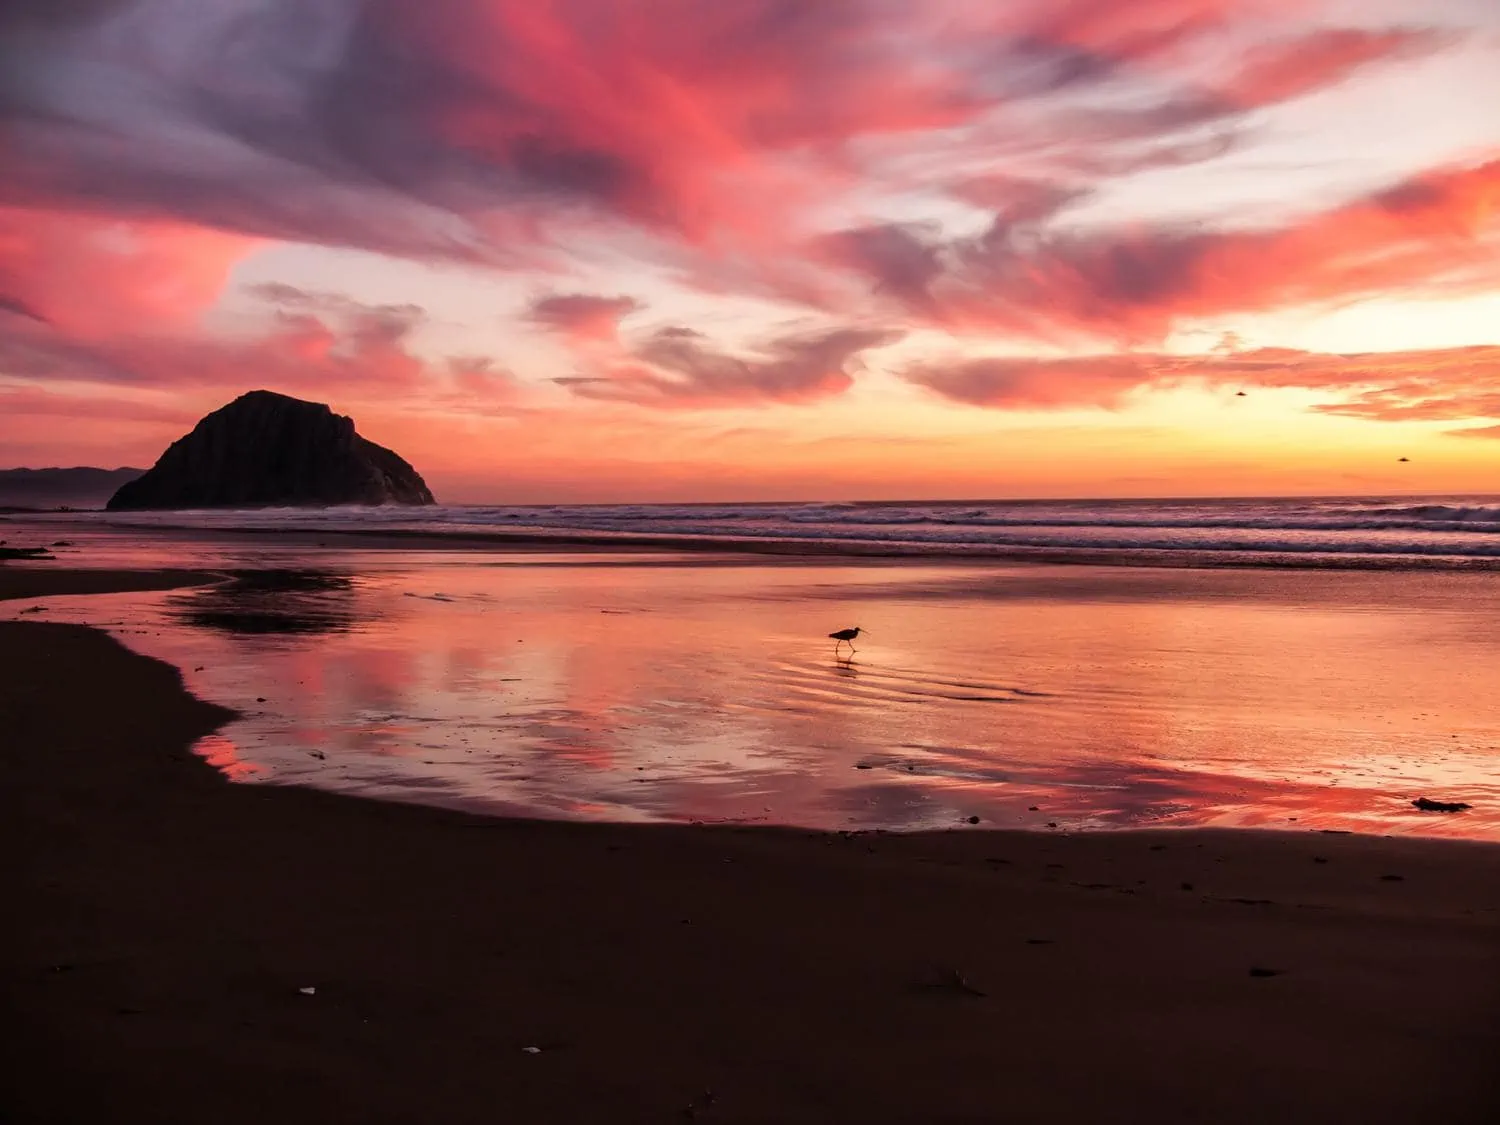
(269, 449)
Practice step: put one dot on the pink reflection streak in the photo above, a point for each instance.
(1157, 698)
(221, 753)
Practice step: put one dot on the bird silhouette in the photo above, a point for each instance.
(1403, 458)
(844, 637)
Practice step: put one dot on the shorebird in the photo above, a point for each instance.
(844, 636)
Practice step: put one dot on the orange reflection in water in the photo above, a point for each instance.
(1104, 697)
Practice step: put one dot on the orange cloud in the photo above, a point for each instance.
(1020, 383)
(713, 144)
(1439, 383)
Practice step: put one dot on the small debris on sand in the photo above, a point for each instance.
(1257, 971)
(951, 980)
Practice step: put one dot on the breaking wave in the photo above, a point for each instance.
(1382, 530)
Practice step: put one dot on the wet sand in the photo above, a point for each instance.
(629, 687)
(164, 922)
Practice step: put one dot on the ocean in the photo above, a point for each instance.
(1369, 532)
(1343, 668)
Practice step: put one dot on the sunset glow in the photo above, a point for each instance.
(674, 250)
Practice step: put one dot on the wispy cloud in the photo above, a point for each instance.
(870, 167)
(677, 367)
(1439, 383)
(1435, 234)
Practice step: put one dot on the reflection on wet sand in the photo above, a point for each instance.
(647, 692)
(271, 601)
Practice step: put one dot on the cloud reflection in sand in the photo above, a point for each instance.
(583, 687)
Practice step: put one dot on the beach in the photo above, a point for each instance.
(750, 562)
(641, 684)
(170, 923)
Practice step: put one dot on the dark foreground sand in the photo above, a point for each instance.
(161, 923)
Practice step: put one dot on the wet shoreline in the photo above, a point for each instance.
(188, 950)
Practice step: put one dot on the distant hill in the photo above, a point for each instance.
(54, 488)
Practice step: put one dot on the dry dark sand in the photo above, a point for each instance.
(161, 923)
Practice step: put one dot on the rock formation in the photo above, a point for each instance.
(266, 449)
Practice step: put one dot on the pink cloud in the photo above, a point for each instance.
(1440, 383)
(1284, 69)
(465, 129)
(679, 368)
(1435, 234)
(146, 155)
(481, 378)
(91, 276)
(583, 317)
(33, 402)
(314, 344)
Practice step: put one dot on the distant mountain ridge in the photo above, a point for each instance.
(81, 486)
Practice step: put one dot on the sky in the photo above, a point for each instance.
(682, 250)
